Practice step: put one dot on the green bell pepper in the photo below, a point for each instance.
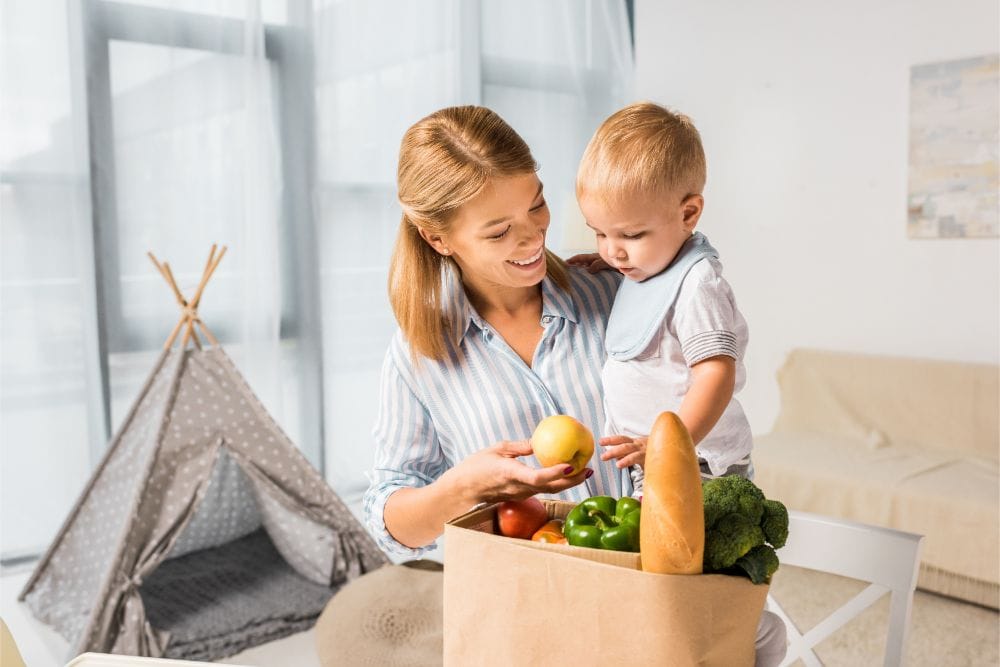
(602, 522)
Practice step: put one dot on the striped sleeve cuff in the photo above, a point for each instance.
(709, 344)
(374, 503)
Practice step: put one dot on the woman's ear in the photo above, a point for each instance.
(691, 208)
(435, 241)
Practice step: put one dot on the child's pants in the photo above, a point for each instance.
(770, 643)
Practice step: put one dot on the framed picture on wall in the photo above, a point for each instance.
(953, 167)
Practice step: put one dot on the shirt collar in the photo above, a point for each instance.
(556, 302)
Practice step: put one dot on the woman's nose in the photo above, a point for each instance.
(530, 233)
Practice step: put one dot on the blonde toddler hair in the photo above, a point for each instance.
(643, 149)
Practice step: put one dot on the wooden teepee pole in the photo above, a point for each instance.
(182, 301)
(189, 320)
(164, 270)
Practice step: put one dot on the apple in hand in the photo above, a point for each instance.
(521, 518)
(562, 439)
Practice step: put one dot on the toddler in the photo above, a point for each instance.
(675, 338)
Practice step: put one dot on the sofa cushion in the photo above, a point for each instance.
(951, 499)
(892, 400)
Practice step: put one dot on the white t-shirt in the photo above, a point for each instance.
(704, 322)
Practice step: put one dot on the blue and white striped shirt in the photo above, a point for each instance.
(436, 413)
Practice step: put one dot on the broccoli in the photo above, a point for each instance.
(731, 537)
(775, 523)
(740, 523)
(732, 495)
(759, 563)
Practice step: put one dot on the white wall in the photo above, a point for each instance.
(803, 108)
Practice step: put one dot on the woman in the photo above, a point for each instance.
(495, 333)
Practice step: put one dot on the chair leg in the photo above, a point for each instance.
(797, 648)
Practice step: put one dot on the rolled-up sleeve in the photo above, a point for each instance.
(407, 452)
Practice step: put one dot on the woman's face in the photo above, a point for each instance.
(498, 238)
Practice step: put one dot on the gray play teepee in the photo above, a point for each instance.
(203, 531)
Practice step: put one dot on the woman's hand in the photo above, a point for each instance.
(415, 516)
(495, 474)
(590, 261)
(625, 450)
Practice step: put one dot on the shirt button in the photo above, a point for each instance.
(546, 319)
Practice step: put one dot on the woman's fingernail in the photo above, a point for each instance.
(568, 470)
(590, 471)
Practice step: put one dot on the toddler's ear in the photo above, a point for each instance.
(692, 206)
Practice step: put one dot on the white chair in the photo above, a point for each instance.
(888, 559)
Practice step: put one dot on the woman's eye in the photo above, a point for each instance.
(497, 237)
(539, 207)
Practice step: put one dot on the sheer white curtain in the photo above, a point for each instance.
(196, 162)
(126, 127)
(552, 69)
(43, 194)
(270, 126)
(555, 70)
(380, 66)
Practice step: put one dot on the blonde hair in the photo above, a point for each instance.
(643, 149)
(445, 160)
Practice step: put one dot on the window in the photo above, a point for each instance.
(272, 127)
(147, 129)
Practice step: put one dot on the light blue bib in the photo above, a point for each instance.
(639, 308)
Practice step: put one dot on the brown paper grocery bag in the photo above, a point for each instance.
(517, 602)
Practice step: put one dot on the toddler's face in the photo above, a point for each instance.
(641, 236)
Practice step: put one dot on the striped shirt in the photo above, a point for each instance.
(434, 414)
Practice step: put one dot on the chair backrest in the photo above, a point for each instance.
(888, 559)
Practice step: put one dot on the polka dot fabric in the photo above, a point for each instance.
(226, 513)
(78, 562)
(198, 463)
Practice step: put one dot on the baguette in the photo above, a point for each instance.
(672, 530)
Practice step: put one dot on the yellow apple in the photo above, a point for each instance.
(562, 439)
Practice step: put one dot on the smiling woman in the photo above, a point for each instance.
(505, 253)
(496, 333)
(471, 203)
(502, 261)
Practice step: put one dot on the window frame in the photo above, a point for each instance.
(289, 48)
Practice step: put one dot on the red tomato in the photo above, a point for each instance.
(521, 518)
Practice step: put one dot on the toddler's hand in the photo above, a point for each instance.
(625, 450)
(590, 261)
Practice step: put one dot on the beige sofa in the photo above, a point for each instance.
(906, 443)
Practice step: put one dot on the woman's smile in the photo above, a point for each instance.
(531, 262)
